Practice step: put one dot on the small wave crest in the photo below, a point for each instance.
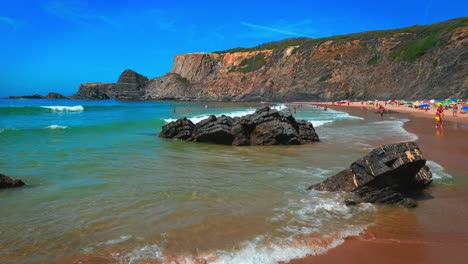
(198, 118)
(153, 252)
(317, 123)
(438, 172)
(338, 115)
(396, 125)
(56, 127)
(62, 108)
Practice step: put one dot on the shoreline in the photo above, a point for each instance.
(438, 231)
(461, 118)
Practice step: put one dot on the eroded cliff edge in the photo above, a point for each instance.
(411, 63)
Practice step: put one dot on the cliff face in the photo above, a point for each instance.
(410, 63)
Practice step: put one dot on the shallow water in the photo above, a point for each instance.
(102, 186)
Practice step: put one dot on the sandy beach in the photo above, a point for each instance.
(437, 230)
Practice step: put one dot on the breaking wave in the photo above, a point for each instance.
(62, 108)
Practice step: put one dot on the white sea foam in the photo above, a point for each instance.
(311, 229)
(62, 108)
(280, 107)
(147, 252)
(198, 118)
(318, 123)
(256, 251)
(438, 172)
(338, 115)
(115, 241)
(56, 127)
(396, 125)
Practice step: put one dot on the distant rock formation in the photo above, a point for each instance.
(264, 127)
(53, 95)
(388, 174)
(34, 96)
(131, 86)
(170, 86)
(7, 182)
(96, 91)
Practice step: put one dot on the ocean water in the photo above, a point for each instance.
(104, 188)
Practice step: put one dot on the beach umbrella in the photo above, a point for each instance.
(465, 108)
(416, 103)
(432, 101)
(425, 105)
(409, 102)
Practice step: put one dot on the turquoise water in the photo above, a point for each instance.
(102, 186)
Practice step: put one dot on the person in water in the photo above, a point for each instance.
(381, 111)
(325, 107)
(438, 119)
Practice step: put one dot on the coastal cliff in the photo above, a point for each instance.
(412, 63)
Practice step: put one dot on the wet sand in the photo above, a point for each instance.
(437, 230)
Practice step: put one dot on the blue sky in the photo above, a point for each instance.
(52, 45)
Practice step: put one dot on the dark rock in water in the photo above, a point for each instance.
(180, 129)
(53, 95)
(34, 96)
(383, 195)
(215, 130)
(131, 86)
(7, 182)
(264, 127)
(386, 175)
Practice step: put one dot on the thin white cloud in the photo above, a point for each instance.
(7, 20)
(76, 12)
(278, 30)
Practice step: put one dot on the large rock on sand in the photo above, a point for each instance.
(7, 182)
(264, 127)
(388, 175)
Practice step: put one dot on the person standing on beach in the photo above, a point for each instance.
(455, 110)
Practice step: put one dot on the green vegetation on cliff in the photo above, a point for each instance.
(252, 63)
(373, 61)
(412, 50)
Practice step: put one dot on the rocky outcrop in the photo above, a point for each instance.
(388, 174)
(50, 95)
(264, 127)
(131, 86)
(7, 182)
(53, 95)
(34, 96)
(96, 91)
(170, 86)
